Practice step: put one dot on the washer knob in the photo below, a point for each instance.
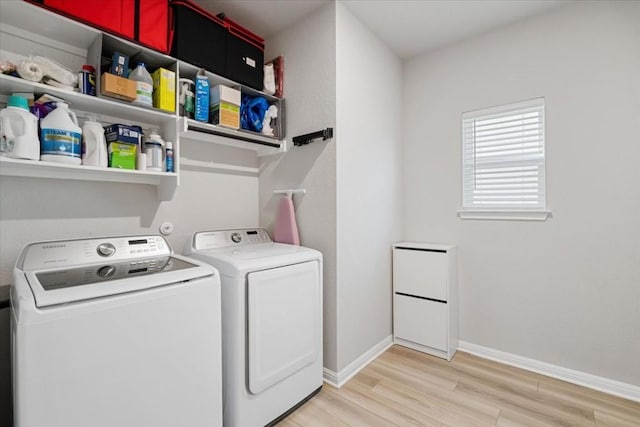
(106, 249)
(236, 237)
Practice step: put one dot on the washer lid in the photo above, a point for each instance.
(237, 261)
(65, 285)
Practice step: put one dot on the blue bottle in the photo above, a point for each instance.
(202, 97)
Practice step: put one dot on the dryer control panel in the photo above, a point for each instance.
(226, 238)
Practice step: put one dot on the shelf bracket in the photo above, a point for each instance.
(309, 137)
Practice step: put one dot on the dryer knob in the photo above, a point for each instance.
(106, 249)
(106, 271)
(236, 237)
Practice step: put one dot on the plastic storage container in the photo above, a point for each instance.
(60, 136)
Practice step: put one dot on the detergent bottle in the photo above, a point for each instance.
(19, 130)
(60, 136)
(94, 144)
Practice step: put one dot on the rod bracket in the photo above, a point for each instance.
(309, 137)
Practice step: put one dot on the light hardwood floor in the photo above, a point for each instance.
(404, 387)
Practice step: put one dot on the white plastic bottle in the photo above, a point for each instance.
(94, 144)
(19, 130)
(60, 136)
(144, 86)
(154, 148)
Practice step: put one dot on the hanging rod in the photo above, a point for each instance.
(291, 191)
(305, 139)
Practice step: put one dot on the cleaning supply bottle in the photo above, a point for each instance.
(169, 157)
(19, 130)
(154, 148)
(94, 144)
(61, 136)
(202, 97)
(144, 86)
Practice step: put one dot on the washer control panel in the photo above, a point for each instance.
(81, 252)
(226, 238)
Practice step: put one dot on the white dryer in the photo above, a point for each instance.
(271, 323)
(115, 332)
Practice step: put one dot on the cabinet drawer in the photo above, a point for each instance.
(421, 321)
(421, 273)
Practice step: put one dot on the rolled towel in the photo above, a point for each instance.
(29, 70)
(286, 230)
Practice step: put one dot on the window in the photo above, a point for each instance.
(503, 162)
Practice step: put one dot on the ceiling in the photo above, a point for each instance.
(263, 17)
(408, 27)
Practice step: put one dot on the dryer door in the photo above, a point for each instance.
(284, 322)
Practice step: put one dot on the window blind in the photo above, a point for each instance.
(503, 157)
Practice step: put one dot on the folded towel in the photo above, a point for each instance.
(286, 230)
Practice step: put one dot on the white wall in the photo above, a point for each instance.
(309, 88)
(368, 187)
(45, 209)
(565, 291)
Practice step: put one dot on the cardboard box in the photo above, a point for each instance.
(122, 156)
(164, 89)
(118, 87)
(224, 108)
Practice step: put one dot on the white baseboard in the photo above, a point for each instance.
(338, 379)
(617, 388)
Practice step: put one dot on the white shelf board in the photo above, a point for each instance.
(88, 103)
(51, 170)
(198, 131)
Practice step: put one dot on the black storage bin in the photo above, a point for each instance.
(198, 37)
(245, 55)
(245, 62)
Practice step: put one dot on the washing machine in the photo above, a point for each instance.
(115, 332)
(271, 323)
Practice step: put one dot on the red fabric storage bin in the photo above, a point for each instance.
(144, 21)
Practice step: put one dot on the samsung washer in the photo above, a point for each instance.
(271, 323)
(115, 332)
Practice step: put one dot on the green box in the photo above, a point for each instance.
(122, 156)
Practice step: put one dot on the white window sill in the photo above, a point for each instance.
(514, 215)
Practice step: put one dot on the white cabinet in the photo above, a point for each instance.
(26, 29)
(425, 303)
